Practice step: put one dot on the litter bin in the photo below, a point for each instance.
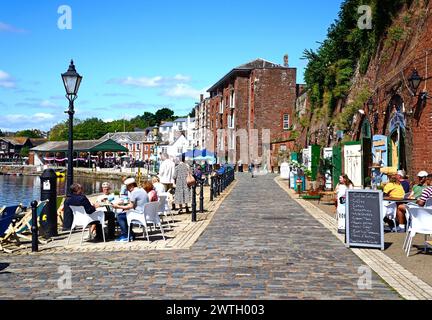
(48, 218)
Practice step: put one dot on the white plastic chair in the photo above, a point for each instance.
(164, 209)
(390, 211)
(149, 216)
(428, 203)
(421, 222)
(82, 219)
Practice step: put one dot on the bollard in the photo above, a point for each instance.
(202, 196)
(48, 220)
(211, 188)
(34, 227)
(194, 203)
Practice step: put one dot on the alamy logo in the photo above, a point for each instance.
(365, 21)
(64, 22)
(365, 280)
(65, 280)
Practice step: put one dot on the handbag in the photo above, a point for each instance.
(190, 180)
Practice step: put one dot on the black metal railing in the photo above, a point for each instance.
(218, 183)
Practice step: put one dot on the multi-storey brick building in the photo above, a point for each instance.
(250, 107)
(139, 144)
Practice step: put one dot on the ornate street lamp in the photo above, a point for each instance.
(156, 141)
(71, 80)
(414, 81)
(370, 104)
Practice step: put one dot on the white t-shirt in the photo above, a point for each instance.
(166, 171)
(159, 188)
(139, 197)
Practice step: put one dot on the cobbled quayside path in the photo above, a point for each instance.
(259, 245)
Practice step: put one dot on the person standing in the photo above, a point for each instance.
(341, 192)
(182, 190)
(166, 172)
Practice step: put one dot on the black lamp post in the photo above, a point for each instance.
(156, 140)
(71, 81)
(370, 104)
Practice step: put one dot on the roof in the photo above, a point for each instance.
(16, 141)
(38, 141)
(245, 70)
(130, 136)
(81, 146)
(167, 124)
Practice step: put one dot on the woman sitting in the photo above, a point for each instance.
(152, 194)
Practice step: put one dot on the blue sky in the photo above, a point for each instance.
(139, 55)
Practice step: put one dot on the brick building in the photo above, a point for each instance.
(139, 144)
(250, 107)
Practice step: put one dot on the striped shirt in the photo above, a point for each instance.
(427, 194)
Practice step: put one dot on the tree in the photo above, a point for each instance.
(192, 113)
(24, 152)
(34, 133)
(2, 134)
(164, 114)
(59, 132)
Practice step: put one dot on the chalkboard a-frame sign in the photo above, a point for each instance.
(364, 222)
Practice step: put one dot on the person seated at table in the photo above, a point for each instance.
(107, 195)
(159, 187)
(138, 198)
(151, 192)
(422, 184)
(426, 195)
(401, 176)
(394, 190)
(105, 199)
(78, 199)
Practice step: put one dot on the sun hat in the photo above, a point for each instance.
(401, 173)
(423, 174)
(129, 181)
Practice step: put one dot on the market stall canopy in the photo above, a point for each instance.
(106, 145)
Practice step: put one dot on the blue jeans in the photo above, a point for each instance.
(122, 221)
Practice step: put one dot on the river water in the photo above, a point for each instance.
(24, 189)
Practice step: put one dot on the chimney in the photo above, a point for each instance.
(201, 97)
(286, 60)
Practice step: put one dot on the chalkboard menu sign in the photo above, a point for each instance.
(364, 225)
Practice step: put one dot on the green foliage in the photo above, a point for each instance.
(34, 133)
(25, 152)
(94, 128)
(343, 120)
(330, 69)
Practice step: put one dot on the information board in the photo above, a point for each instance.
(364, 223)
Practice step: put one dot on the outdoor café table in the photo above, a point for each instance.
(399, 200)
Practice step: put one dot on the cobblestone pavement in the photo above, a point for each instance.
(259, 245)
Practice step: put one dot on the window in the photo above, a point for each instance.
(286, 124)
(231, 122)
(146, 148)
(283, 148)
(232, 102)
(137, 146)
(180, 150)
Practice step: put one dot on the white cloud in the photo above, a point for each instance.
(151, 82)
(6, 81)
(4, 27)
(49, 104)
(42, 121)
(183, 91)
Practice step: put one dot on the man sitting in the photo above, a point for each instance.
(138, 198)
(419, 188)
(427, 194)
(78, 199)
(394, 189)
